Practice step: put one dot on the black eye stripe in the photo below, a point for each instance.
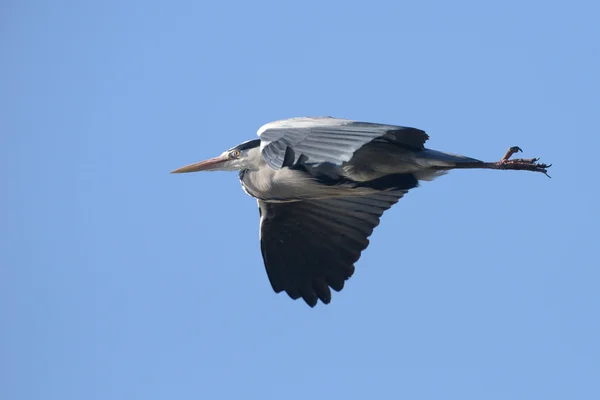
(247, 145)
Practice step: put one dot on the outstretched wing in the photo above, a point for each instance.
(327, 139)
(309, 246)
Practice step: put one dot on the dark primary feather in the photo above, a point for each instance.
(326, 139)
(310, 246)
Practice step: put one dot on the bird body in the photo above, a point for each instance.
(323, 183)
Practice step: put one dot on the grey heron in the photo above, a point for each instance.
(323, 183)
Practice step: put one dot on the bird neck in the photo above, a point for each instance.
(253, 160)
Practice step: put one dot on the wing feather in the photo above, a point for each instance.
(310, 246)
(327, 139)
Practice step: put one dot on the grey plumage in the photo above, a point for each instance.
(327, 140)
(322, 185)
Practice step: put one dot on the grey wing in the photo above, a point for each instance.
(327, 139)
(309, 246)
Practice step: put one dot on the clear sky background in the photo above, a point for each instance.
(121, 281)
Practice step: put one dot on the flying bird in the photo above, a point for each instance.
(323, 183)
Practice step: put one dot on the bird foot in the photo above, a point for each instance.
(510, 152)
(527, 164)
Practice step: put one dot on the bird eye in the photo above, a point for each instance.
(235, 154)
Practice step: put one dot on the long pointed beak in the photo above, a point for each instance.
(206, 165)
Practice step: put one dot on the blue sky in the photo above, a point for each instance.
(120, 281)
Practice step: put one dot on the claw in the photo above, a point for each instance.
(512, 150)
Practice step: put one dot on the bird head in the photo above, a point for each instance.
(234, 159)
